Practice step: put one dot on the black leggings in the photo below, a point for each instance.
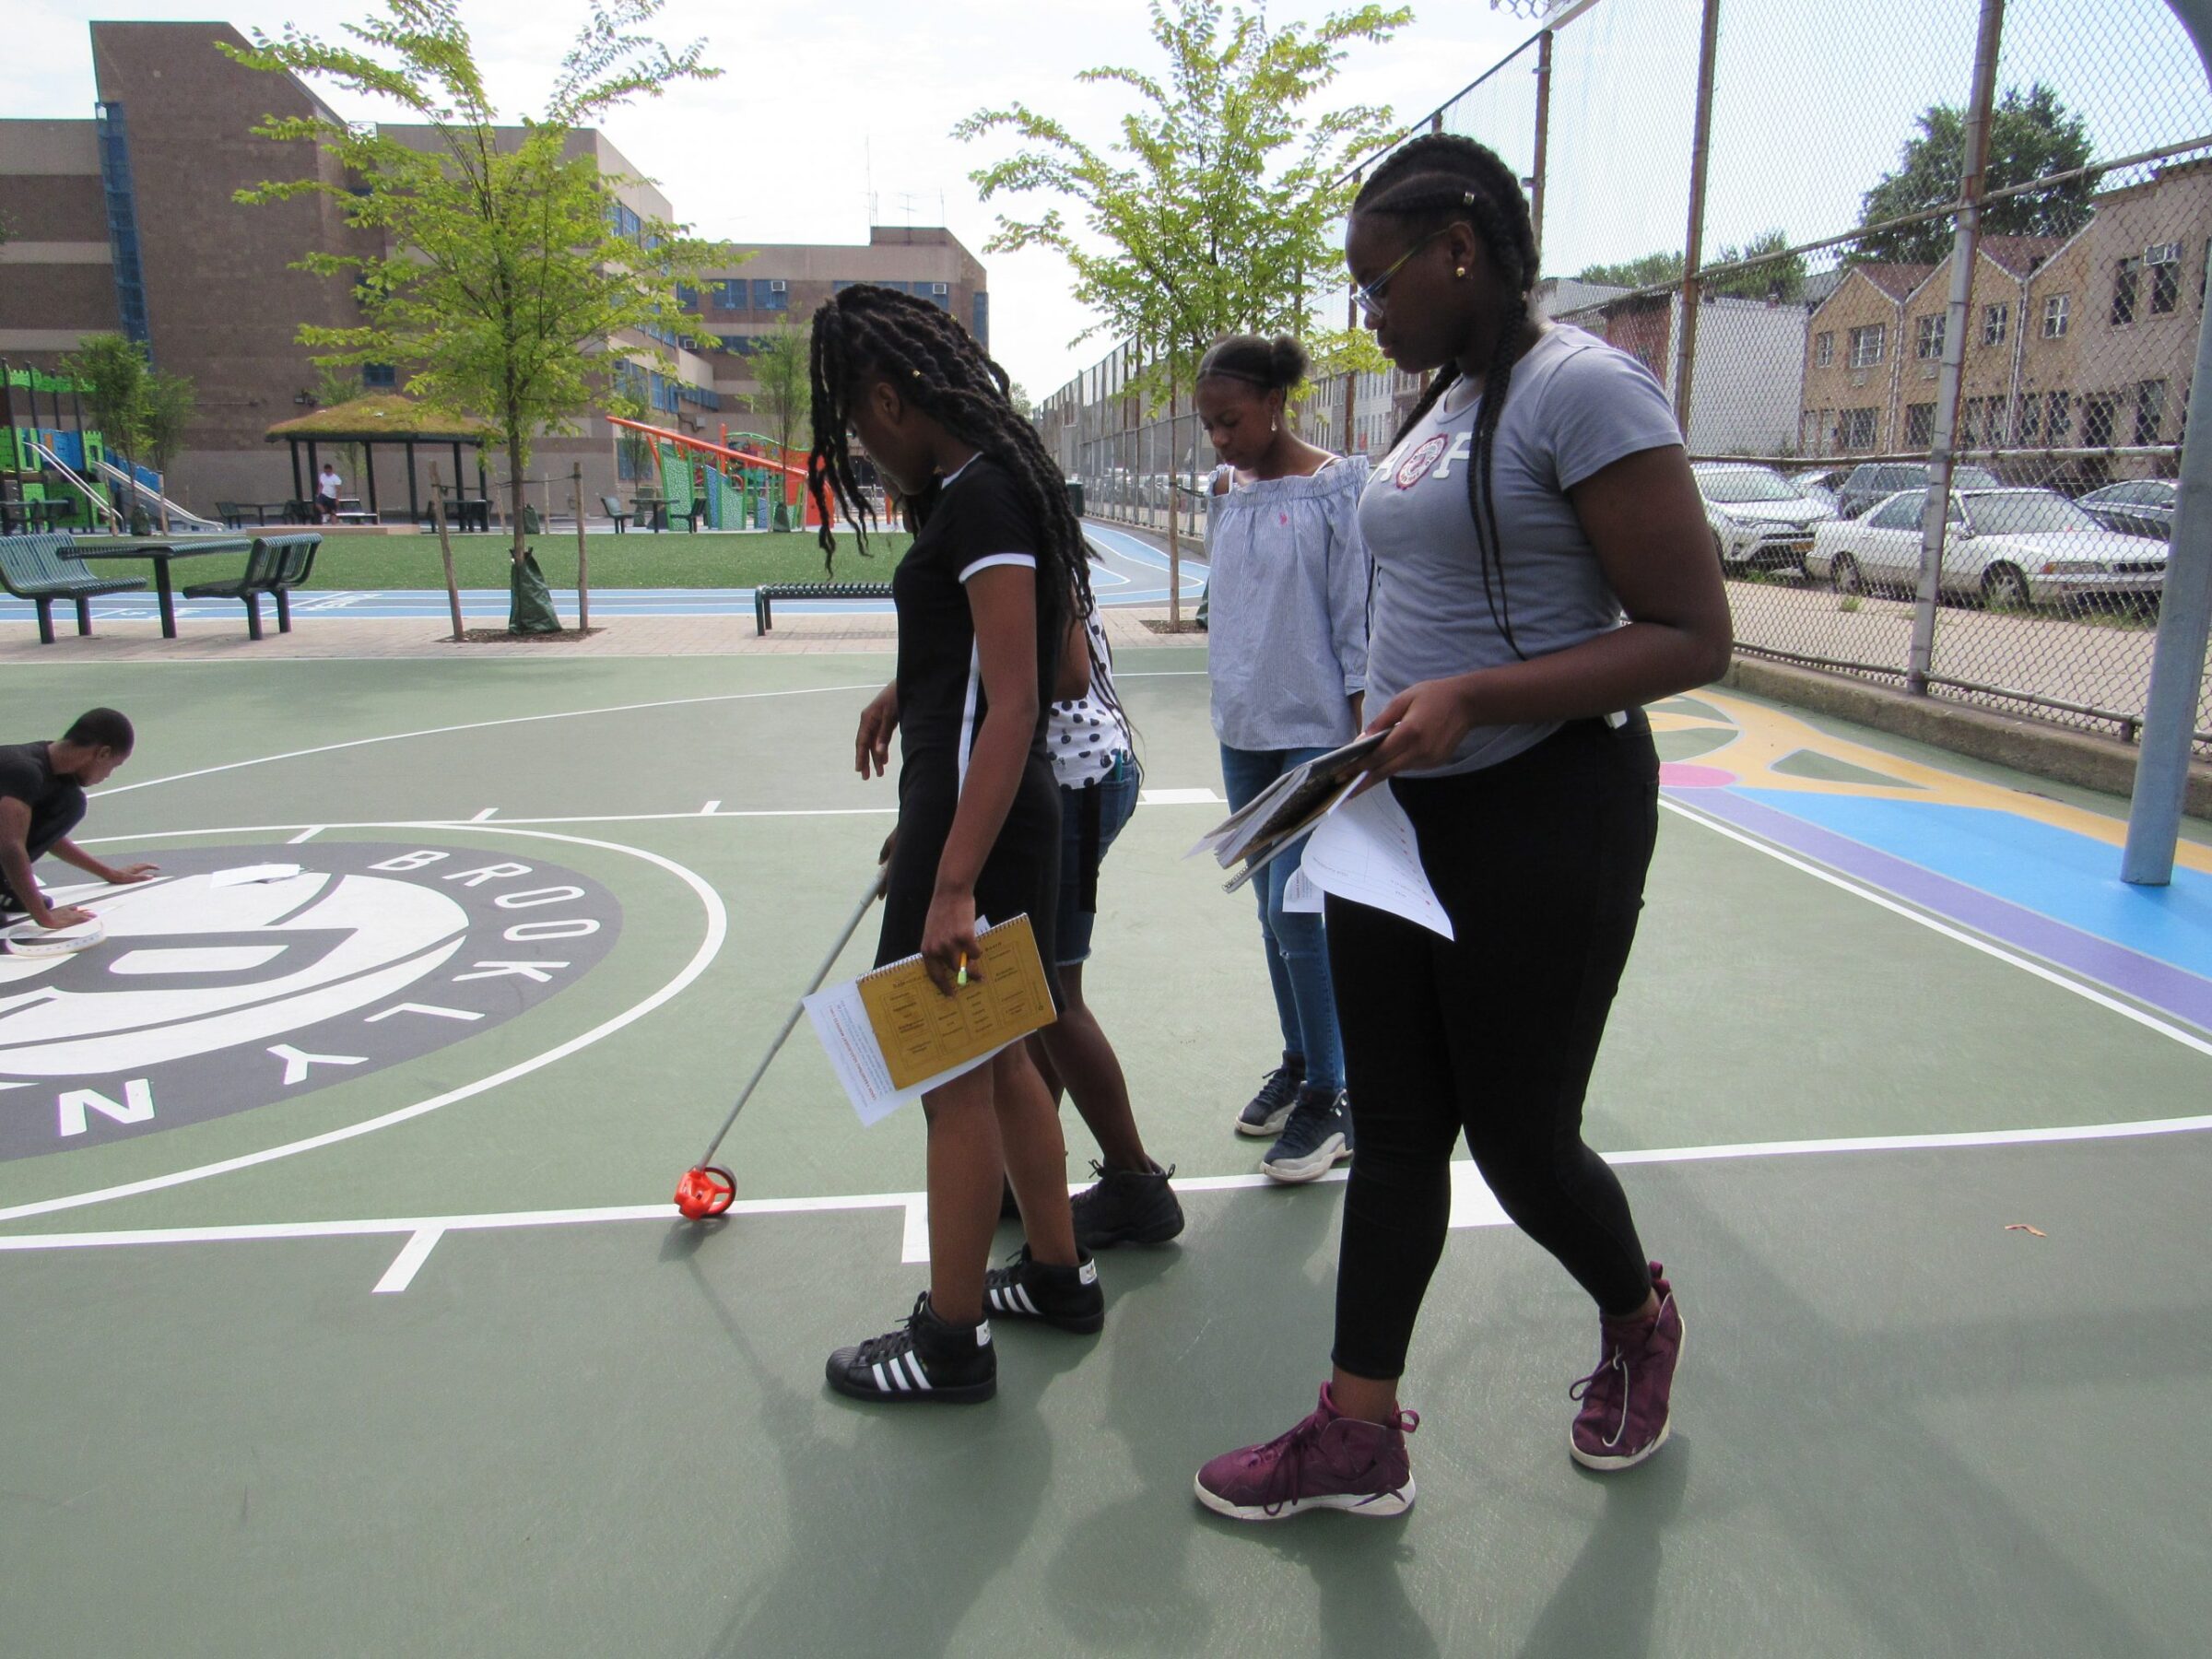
(1540, 862)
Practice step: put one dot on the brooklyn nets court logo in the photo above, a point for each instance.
(243, 977)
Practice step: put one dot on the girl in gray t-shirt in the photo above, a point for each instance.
(1542, 567)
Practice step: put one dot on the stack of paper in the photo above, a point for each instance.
(1282, 814)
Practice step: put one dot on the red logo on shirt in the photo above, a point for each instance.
(1415, 467)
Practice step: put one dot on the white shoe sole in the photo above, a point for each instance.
(1376, 1506)
(1270, 1128)
(1313, 1167)
(1613, 1465)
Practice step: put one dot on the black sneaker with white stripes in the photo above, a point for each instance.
(1028, 1288)
(925, 1359)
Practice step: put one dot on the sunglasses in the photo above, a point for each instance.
(1370, 295)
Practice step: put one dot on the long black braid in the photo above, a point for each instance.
(1435, 180)
(939, 369)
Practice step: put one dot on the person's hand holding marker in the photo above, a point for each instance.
(949, 951)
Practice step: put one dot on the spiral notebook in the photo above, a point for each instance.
(891, 1035)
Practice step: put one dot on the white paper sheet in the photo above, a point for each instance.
(247, 875)
(1301, 894)
(1365, 851)
(840, 1022)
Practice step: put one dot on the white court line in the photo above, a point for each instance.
(307, 834)
(1974, 941)
(709, 947)
(1471, 1205)
(485, 816)
(411, 1256)
(709, 810)
(477, 725)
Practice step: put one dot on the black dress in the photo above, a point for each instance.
(978, 521)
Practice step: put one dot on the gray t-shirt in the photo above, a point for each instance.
(1575, 405)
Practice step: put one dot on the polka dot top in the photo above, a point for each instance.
(1084, 736)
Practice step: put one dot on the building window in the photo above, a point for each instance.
(2150, 410)
(1828, 431)
(1995, 321)
(2098, 414)
(1855, 427)
(2058, 418)
(2166, 279)
(1927, 340)
(1919, 425)
(739, 344)
(2127, 277)
(1970, 414)
(627, 222)
(980, 323)
(2055, 316)
(770, 294)
(2031, 409)
(1868, 344)
(687, 297)
(729, 293)
(1824, 345)
(378, 376)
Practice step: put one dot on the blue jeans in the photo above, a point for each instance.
(1116, 799)
(1296, 944)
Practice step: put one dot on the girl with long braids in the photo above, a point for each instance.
(1286, 584)
(990, 587)
(1543, 568)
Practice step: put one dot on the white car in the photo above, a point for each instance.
(2010, 548)
(1760, 520)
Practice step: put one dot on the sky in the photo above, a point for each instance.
(823, 108)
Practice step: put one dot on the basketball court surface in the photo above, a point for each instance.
(347, 1312)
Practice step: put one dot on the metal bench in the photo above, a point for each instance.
(766, 594)
(614, 510)
(276, 565)
(43, 567)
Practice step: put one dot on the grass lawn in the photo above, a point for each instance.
(638, 559)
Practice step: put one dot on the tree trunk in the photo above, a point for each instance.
(514, 494)
(445, 550)
(1175, 545)
(584, 580)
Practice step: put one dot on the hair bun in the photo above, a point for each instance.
(1287, 362)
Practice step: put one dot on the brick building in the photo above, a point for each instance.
(125, 222)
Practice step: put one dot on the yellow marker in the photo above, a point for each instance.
(962, 978)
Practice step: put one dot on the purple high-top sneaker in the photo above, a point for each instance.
(1329, 1461)
(1624, 1417)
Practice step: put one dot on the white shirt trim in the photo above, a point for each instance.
(1026, 561)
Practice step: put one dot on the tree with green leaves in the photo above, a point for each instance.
(510, 269)
(166, 408)
(780, 365)
(1215, 210)
(1773, 278)
(111, 373)
(2031, 135)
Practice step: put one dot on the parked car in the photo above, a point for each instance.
(2010, 548)
(1870, 480)
(1758, 518)
(1818, 484)
(2143, 507)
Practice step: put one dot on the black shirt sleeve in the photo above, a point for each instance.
(990, 521)
(19, 777)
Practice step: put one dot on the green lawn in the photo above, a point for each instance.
(639, 559)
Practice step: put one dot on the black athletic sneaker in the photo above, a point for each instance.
(1066, 1296)
(1126, 1206)
(923, 1359)
(1318, 1135)
(1265, 1114)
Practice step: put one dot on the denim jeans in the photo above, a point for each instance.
(1297, 943)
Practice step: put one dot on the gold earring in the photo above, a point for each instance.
(1459, 272)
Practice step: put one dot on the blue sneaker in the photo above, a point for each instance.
(1265, 1114)
(1317, 1137)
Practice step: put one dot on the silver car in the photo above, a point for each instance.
(2010, 548)
(2140, 507)
(1760, 520)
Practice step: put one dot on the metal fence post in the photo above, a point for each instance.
(2177, 663)
(1935, 515)
(1693, 237)
(1535, 187)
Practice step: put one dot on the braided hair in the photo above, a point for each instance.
(937, 366)
(1439, 180)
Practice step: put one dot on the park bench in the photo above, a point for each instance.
(43, 567)
(276, 565)
(614, 510)
(766, 595)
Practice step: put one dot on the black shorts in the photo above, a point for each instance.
(1021, 878)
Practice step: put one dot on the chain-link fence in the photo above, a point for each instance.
(1762, 201)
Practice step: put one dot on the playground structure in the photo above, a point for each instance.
(66, 467)
(740, 488)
